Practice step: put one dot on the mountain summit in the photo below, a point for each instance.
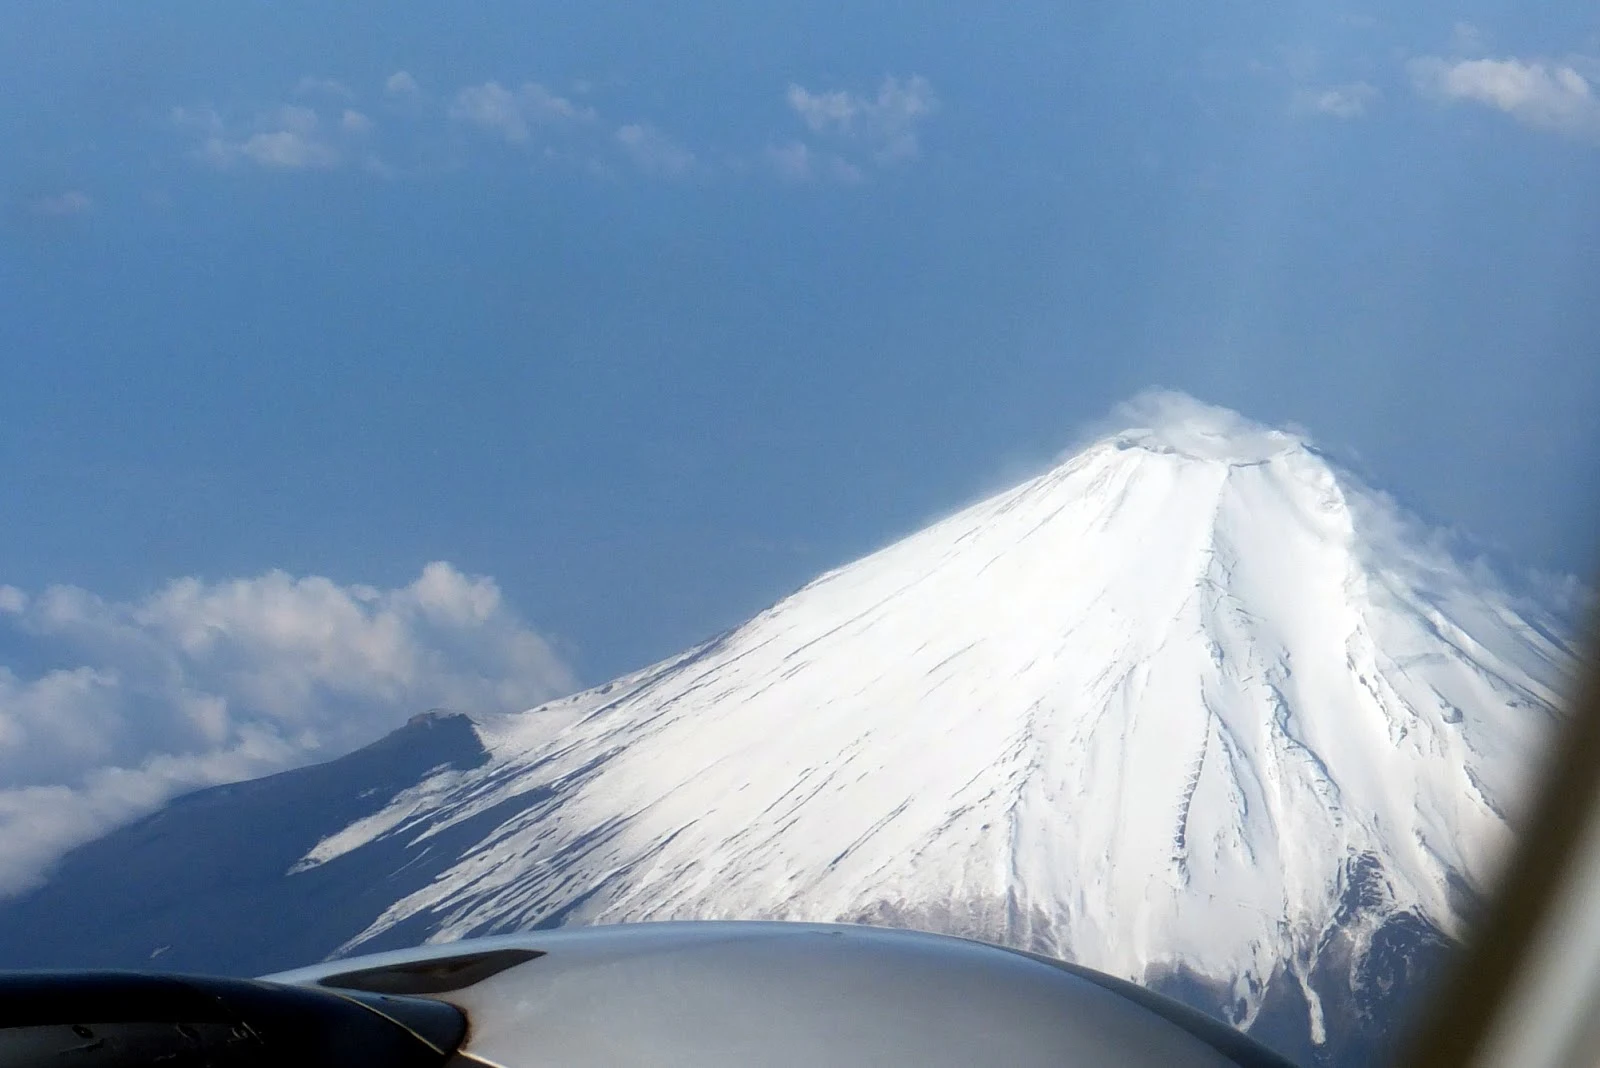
(1194, 707)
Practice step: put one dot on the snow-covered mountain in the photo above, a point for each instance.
(1195, 708)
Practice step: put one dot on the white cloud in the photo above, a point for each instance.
(846, 134)
(654, 152)
(1545, 95)
(295, 137)
(493, 107)
(202, 683)
(1338, 101)
(401, 83)
(886, 123)
(59, 205)
(291, 138)
(281, 149)
(511, 113)
(326, 130)
(798, 162)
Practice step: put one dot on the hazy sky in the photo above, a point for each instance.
(640, 317)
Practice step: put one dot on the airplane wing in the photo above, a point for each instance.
(707, 994)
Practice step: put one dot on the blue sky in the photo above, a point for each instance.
(650, 315)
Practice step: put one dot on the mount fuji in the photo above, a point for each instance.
(1195, 707)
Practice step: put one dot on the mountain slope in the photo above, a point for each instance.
(1194, 708)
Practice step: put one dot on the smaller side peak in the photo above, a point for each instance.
(1167, 421)
(435, 716)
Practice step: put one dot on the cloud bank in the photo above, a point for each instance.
(1544, 95)
(204, 683)
(329, 125)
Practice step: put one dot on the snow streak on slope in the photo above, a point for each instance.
(1160, 708)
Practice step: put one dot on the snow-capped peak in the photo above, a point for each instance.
(1192, 703)
(1166, 421)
